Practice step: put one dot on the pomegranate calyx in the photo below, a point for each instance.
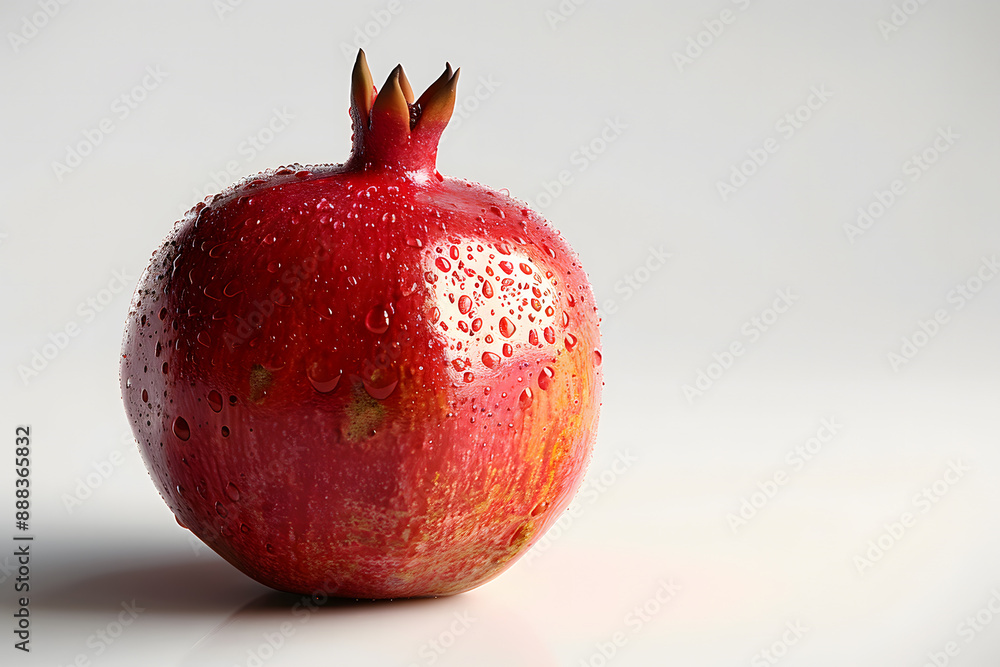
(392, 130)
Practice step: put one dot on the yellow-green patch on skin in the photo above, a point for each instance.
(260, 380)
(364, 415)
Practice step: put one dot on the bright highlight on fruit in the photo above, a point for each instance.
(366, 380)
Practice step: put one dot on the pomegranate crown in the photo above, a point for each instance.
(392, 129)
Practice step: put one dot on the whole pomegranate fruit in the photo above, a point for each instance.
(365, 380)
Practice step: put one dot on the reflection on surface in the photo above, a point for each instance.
(279, 629)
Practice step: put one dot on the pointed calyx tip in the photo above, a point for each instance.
(390, 125)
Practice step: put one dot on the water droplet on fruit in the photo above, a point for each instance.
(443, 264)
(507, 327)
(477, 324)
(145, 396)
(322, 381)
(598, 359)
(525, 269)
(545, 378)
(490, 360)
(565, 319)
(468, 377)
(570, 341)
(377, 320)
(245, 529)
(539, 508)
(550, 334)
(221, 510)
(181, 428)
(464, 304)
(508, 350)
(550, 311)
(414, 242)
(507, 267)
(379, 393)
(453, 251)
(212, 292)
(215, 401)
(232, 492)
(533, 337)
(232, 288)
(487, 289)
(180, 523)
(205, 339)
(524, 400)
(269, 548)
(225, 431)
(163, 314)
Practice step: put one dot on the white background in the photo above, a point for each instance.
(533, 90)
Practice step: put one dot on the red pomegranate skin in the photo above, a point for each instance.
(364, 380)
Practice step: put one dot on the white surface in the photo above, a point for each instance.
(663, 517)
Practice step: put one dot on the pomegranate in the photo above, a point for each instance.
(365, 380)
